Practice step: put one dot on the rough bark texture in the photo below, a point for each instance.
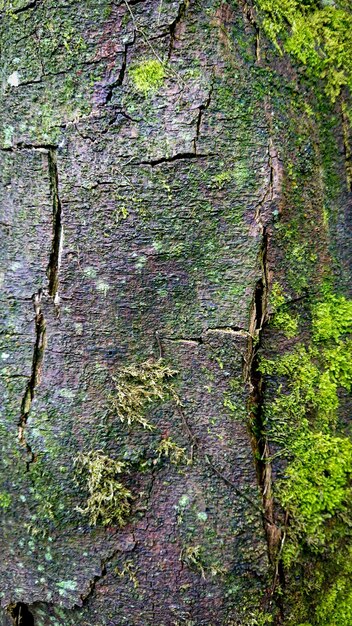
(146, 224)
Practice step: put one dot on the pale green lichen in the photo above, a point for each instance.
(109, 501)
(170, 450)
(138, 386)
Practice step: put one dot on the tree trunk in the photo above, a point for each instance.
(173, 206)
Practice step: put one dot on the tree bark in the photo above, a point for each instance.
(162, 168)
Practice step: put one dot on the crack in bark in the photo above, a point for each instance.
(250, 15)
(20, 614)
(27, 7)
(182, 10)
(347, 145)
(55, 256)
(201, 109)
(40, 341)
(177, 157)
(34, 380)
(21, 145)
(118, 82)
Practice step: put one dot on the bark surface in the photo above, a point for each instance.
(158, 177)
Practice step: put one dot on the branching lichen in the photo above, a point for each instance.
(139, 385)
(169, 449)
(109, 500)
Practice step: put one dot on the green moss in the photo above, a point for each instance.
(320, 37)
(332, 318)
(335, 604)
(148, 76)
(281, 318)
(139, 385)
(221, 179)
(5, 500)
(109, 500)
(315, 486)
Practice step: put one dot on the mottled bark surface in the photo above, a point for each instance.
(138, 225)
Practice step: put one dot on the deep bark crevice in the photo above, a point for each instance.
(21, 614)
(257, 427)
(201, 110)
(177, 157)
(118, 82)
(173, 26)
(54, 260)
(38, 355)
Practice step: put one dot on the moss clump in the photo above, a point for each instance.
(315, 488)
(335, 605)
(281, 318)
(318, 36)
(148, 76)
(332, 318)
(109, 500)
(193, 557)
(137, 386)
(5, 500)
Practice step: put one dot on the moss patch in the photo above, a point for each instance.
(320, 37)
(148, 76)
(139, 385)
(315, 485)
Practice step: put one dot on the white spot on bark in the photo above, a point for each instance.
(14, 79)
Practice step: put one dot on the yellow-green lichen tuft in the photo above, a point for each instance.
(109, 500)
(139, 385)
(169, 449)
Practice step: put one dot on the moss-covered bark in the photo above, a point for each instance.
(174, 298)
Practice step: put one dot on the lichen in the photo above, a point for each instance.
(170, 450)
(139, 385)
(109, 501)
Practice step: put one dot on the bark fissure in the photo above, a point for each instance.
(55, 256)
(21, 145)
(40, 340)
(38, 355)
(173, 26)
(21, 614)
(177, 157)
(201, 110)
(118, 82)
(347, 146)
